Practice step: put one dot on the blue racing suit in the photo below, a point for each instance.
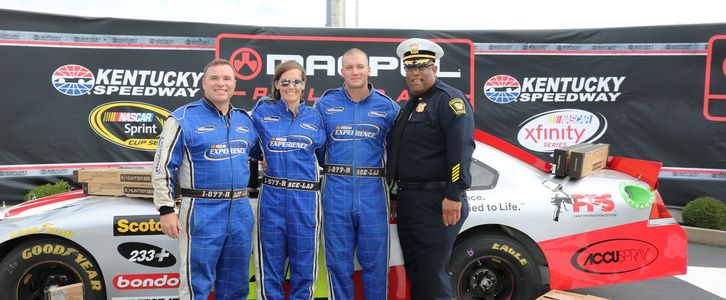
(209, 152)
(355, 197)
(289, 217)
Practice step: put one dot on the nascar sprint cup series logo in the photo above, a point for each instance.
(133, 125)
(505, 89)
(77, 80)
(554, 129)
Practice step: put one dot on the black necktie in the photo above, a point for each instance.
(391, 165)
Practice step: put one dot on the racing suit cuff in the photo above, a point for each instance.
(164, 210)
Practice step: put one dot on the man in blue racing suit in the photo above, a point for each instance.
(289, 209)
(206, 143)
(355, 199)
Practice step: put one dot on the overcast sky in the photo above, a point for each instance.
(447, 14)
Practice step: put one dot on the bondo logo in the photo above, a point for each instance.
(73, 80)
(136, 225)
(146, 281)
(554, 129)
(506, 89)
(76, 80)
(502, 89)
(247, 63)
(614, 256)
(147, 255)
(132, 125)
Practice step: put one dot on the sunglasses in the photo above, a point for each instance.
(420, 68)
(286, 82)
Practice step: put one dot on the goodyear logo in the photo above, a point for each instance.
(136, 225)
(45, 228)
(132, 125)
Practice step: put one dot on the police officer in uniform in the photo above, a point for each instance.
(433, 141)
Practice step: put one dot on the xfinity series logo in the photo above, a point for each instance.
(76, 80)
(614, 256)
(355, 132)
(228, 150)
(554, 129)
(506, 89)
(133, 125)
(289, 143)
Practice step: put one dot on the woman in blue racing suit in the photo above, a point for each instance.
(289, 211)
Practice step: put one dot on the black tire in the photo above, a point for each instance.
(494, 267)
(35, 265)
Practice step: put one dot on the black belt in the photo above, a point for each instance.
(214, 194)
(291, 183)
(348, 171)
(422, 185)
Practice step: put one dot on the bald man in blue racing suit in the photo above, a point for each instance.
(355, 199)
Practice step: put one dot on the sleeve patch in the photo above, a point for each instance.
(458, 106)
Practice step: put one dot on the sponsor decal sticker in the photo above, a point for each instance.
(271, 119)
(636, 195)
(355, 132)
(614, 256)
(136, 225)
(146, 254)
(559, 128)
(146, 281)
(289, 143)
(45, 228)
(242, 129)
(133, 125)
(51, 250)
(592, 205)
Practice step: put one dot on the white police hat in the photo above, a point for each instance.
(417, 51)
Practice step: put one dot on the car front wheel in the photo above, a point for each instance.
(36, 265)
(494, 267)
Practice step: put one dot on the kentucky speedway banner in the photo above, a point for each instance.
(84, 93)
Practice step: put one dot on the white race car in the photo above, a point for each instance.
(528, 231)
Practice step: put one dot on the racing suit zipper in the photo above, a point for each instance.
(227, 122)
(356, 205)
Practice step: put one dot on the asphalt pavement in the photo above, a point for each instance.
(705, 280)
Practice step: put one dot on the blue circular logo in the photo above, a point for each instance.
(73, 80)
(502, 89)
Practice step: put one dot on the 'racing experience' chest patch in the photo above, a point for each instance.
(228, 150)
(289, 143)
(355, 132)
